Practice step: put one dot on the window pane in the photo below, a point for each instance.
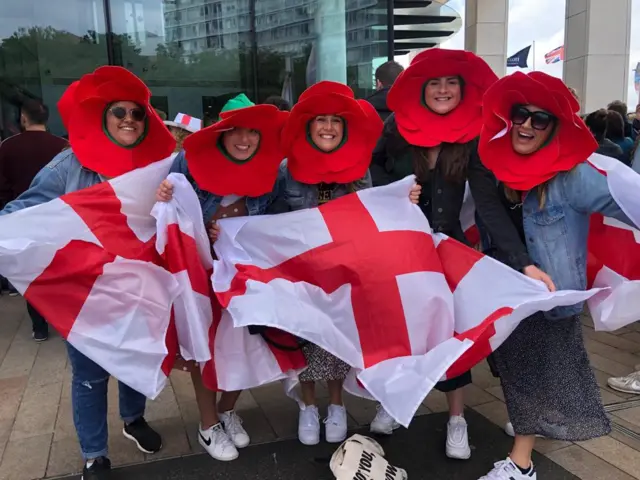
(44, 46)
(193, 54)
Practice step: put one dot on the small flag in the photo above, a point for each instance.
(554, 56)
(519, 59)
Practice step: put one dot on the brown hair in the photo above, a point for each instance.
(453, 158)
(180, 134)
(515, 196)
(597, 123)
(615, 125)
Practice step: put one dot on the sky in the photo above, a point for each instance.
(544, 24)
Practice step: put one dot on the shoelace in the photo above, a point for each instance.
(333, 418)
(457, 431)
(499, 472)
(234, 424)
(311, 419)
(220, 437)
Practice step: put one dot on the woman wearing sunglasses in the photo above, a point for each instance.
(233, 166)
(537, 146)
(437, 105)
(112, 130)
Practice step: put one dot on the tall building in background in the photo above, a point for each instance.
(195, 54)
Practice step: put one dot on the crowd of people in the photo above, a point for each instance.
(519, 143)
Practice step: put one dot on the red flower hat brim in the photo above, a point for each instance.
(420, 126)
(83, 107)
(216, 173)
(350, 161)
(572, 142)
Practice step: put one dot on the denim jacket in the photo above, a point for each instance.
(556, 234)
(210, 202)
(60, 176)
(298, 196)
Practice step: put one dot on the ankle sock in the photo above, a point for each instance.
(524, 471)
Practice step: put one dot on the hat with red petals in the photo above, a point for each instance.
(571, 144)
(83, 108)
(350, 160)
(217, 172)
(421, 126)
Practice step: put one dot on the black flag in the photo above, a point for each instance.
(519, 59)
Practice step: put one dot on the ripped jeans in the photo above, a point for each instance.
(89, 403)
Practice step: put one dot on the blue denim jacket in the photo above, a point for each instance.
(60, 176)
(299, 195)
(210, 202)
(556, 234)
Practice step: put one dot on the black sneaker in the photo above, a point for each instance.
(40, 336)
(145, 437)
(98, 470)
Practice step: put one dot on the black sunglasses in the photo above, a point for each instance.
(539, 120)
(137, 114)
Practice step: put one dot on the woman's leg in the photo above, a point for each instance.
(230, 419)
(211, 435)
(308, 393)
(309, 418)
(455, 399)
(228, 401)
(457, 445)
(522, 448)
(335, 391)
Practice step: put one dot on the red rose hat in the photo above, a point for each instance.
(83, 107)
(422, 127)
(571, 144)
(347, 163)
(216, 172)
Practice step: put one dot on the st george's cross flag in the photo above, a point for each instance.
(238, 360)
(364, 278)
(614, 250)
(88, 262)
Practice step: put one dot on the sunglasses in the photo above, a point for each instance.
(137, 114)
(539, 120)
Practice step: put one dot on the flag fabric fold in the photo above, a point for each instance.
(87, 262)
(364, 278)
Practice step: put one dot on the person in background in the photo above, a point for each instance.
(621, 107)
(183, 126)
(636, 120)
(597, 123)
(110, 133)
(386, 75)
(615, 133)
(279, 102)
(21, 158)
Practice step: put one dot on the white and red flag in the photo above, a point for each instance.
(236, 360)
(364, 278)
(614, 250)
(87, 262)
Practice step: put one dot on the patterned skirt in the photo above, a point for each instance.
(547, 381)
(322, 365)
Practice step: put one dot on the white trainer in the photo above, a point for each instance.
(233, 426)
(309, 425)
(628, 384)
(217, 443)
(457, 438)
(335, 425)
(507, 470)
(383, 424)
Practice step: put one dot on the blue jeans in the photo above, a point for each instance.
(89, 403)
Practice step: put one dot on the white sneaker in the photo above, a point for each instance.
(233, 426)
(335, 430)
(508, 429)
(628, 384)
(383, 424)
(217, 443)
(457, 438)
(507, 470)
(309, 425)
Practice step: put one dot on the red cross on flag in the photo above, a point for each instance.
(363, 277)
(614, 250)
(88, 263)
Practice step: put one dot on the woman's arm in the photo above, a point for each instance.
(495, 218)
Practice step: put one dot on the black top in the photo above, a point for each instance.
(441, 200)
(379, 102)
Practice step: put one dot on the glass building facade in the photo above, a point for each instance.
(196, 54)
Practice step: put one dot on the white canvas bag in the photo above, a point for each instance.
(362, 458)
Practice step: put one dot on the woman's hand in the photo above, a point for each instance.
(414, 194)
(534, 272)
(185, 366)
(164, 192)
(214, 231)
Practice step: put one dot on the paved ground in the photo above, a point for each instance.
(37, 438)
